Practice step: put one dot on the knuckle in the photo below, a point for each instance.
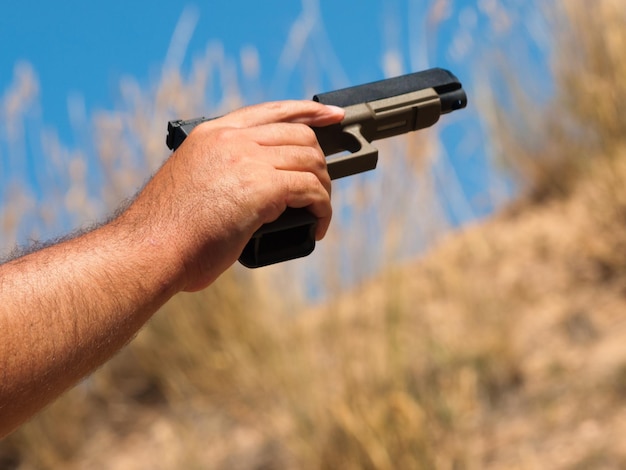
(208, 132)
(223, 135)
(308, 135)
(320, 160)
(275, 105)
(314, 183)
(300, 133)
(316, 160)
(209, 127)
(278, 109)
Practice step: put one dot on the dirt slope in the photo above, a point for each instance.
(524, 316)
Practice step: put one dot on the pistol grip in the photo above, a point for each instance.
(290, 236)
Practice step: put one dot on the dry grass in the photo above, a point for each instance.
(502, 348)
(551, 145)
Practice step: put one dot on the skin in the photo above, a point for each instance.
(66, 309)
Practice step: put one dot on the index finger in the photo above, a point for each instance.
(307, 112)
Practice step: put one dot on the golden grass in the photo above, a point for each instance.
(551, 145)
(501, 348)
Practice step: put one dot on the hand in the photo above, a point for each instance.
(232, 175)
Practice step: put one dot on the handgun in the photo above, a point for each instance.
(373, 111)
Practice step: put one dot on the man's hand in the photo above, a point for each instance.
(66, 309)
(233, 174)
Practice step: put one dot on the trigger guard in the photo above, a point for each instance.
(363, 157)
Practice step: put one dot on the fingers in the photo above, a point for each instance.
(299, 159)
(282, 133)
(290, 147)
(306, 112)
(305, 190)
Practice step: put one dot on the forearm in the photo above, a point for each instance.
(68, 308)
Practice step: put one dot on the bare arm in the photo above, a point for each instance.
(66, 309)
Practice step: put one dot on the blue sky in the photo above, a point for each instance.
(86, 47)
(81, 50)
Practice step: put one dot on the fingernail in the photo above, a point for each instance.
(335, 109)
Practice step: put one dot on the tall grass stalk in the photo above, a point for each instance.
(414, 370)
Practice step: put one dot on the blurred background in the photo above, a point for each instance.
(464, 311)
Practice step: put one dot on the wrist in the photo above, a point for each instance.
(146, 251)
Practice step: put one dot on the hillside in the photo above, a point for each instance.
(512, 333)
(502, 348)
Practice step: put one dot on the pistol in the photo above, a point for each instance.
(373, 111)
